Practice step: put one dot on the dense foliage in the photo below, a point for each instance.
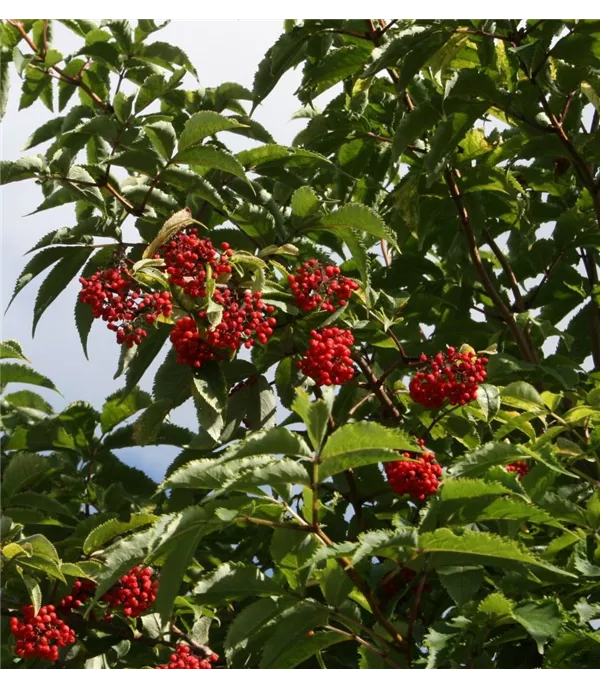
(403, 471)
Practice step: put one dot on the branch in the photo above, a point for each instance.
(376, 388)
(520, 339)
(364, 643)
(514, 284)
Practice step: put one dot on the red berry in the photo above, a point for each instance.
(318, 286)
(134, 593)
(328, 360)
(183, 658)
(418, 476)
(40, 635)
(518, 467)
(451, 375)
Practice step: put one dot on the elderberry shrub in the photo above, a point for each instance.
(328, 360)
(451, 376)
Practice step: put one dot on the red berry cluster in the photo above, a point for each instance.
(318, 286)
(40, 635)
(518, 467)
(134, 593)
(418, 478)
(113, 296)
(186, 259)
(184, 658)
(82, 591)
(453, 376)
(246, 318)
(328, 360)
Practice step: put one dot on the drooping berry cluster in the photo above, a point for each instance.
(187, 257)
(328, 360)
(518, 467)
(246, 318)
(318, 286)
(453, 376)
(40, 635)
(418, 477)
(114, 297)
(82, 591)
(184, 658)
(134, 593)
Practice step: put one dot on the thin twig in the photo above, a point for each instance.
(364, 643)
(376, 388)
(520, 339)
(512, 279)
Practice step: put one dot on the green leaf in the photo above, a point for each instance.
(354, 216)
(304, 202)
(213, 158)
(57, 280)
(273, 153)
(522, 395)
(361, 444)
(335, 584)
(155, 86)
(4, 86)
(165, 55)
(116, 409)
(442, 547)
(28, 400)
(250, 622)
(24, 168)
(593, 510)
(33, 590)
(36, 265)
(273, 441)
(111, 529)
(262, 405)
(412, 126)
(490, 454)
(210, 398)
(334, 67)
(541, 619)
(163, 137)
(488, 398)
(461, 582)
(24, 470)
(235, 582)
(446, 137)
(144, 354)
(314, 414)
(47, 131)
(16, 372)
(12, 349)
(285, 649)
(203, 124)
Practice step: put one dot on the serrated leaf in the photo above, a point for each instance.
(354, 216)
(361, 444)
(285, 648)
(203, 124)
(109, 530)
(314, 414)
(461, 582)
(541, 619)
(212, 158)
(304, 202)
(39, 263)
(522, 395)
(490, 454)
(273, 441)
(144, 354)
(165, 55)
(17, 372)
(210, 398)
(116, 409)
(235, 582)
(57, 280)
(163, 137)
(488, 398)
(24, 470)
(24, 168)
(444, 548)
(12, 349)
